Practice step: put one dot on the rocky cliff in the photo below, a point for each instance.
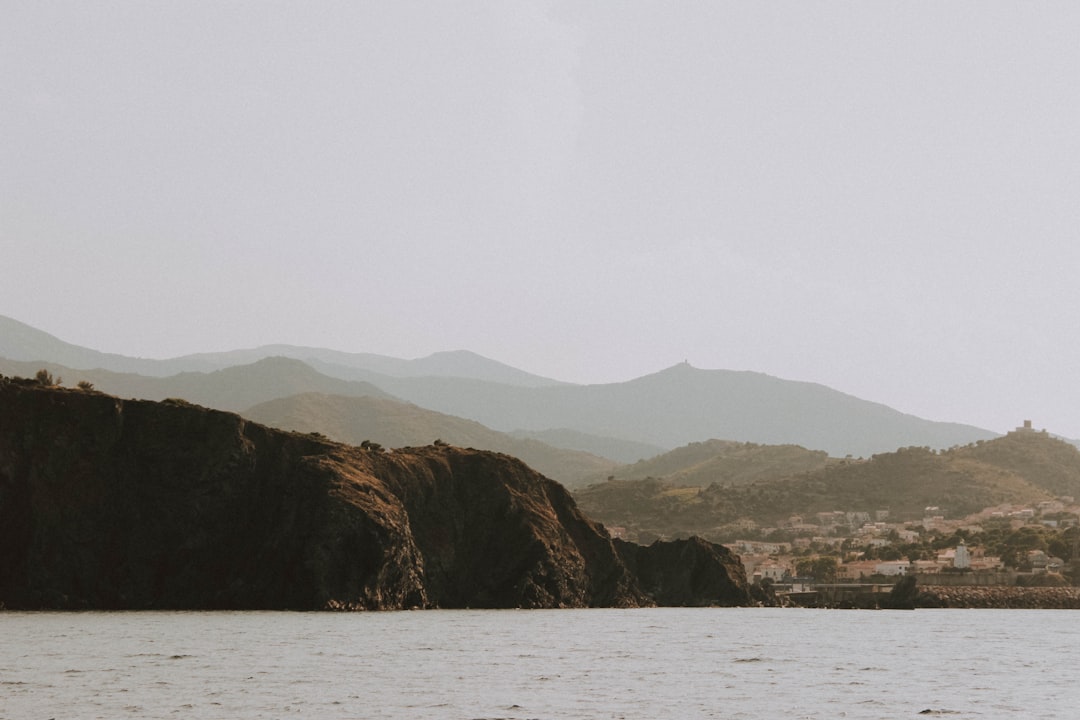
(109, 503)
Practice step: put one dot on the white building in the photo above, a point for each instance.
(893, 567)
(962, 558)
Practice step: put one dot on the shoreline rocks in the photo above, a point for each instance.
(999, 597)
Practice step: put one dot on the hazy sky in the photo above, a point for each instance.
(880, 197)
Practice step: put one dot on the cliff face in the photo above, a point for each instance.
(683, 572)
(106, 503)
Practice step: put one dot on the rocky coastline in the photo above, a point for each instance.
(126, 504)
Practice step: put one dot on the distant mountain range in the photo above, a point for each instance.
(234, 389)
(19, 341)
(684, 404)
(657, 412)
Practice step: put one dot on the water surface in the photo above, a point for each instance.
(655, 663)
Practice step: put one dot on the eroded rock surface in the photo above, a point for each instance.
(109, 503)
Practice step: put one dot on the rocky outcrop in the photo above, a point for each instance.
(689, 572)
(109, 503)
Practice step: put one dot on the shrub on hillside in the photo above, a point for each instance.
(44, 377)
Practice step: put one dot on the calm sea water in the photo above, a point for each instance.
(657, 663)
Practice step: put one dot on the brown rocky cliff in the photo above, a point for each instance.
(495, 534)
(685, 572)
(106, 503)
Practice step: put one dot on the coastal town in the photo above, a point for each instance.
(858, 545)
(873, 535)
(846, 553)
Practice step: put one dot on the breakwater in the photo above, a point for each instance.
(999, 597)
(907, 594)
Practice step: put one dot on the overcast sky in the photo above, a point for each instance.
(880, 197)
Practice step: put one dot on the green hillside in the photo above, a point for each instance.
(1044, 460)
(724, 463)
(1016, 469)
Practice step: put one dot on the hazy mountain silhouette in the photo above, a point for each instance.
(684, 404)
(623, 451)
(667, 409)
(234, 389)
(19, 341)
(357, 366)
(395, 424)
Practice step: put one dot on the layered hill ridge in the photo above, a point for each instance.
(723, 462)
(684, 404)
(666, 409)
(619, 451)
(21, 342)
(395, 424)
(233, 389)
(1020, 468)
(109, 503)
(290, 394)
